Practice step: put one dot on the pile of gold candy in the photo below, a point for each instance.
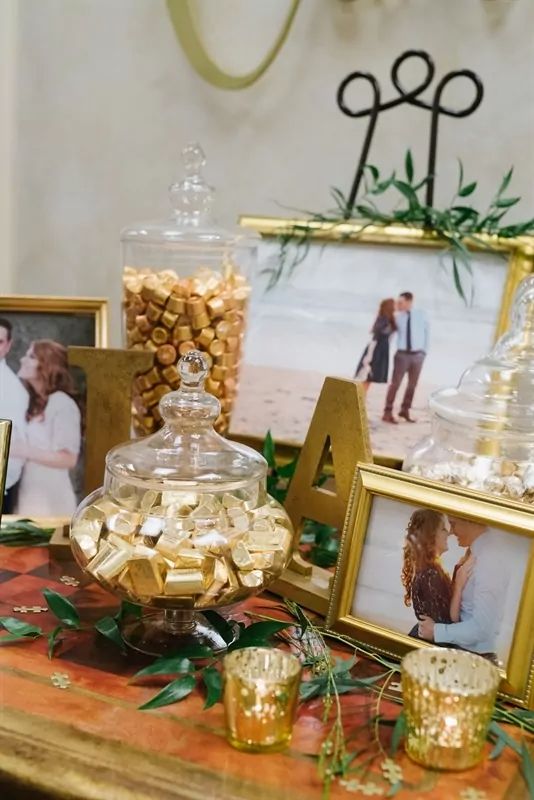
(171, 316)
(182, 550)
(498, 476)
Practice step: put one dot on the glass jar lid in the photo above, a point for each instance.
(187, 453)
(191, 222)
(496, 394)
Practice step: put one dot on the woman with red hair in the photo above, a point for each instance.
(53, 432)
(427, 586)
(374, 363)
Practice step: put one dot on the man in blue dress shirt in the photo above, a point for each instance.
(412, 347)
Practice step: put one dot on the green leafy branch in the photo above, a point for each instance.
(24, 533)
(322, 539)
(456, 224)
(340, 758)
(190, 675)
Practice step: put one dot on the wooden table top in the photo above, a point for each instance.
(90, 741)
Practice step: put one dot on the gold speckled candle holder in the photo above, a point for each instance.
(449, 697)
(261, 687)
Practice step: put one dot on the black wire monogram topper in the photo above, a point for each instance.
(412, 97)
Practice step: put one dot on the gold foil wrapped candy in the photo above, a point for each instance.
(134, 554)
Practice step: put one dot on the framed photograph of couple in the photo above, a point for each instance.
(380, 305)
(44, 397)
(426, 563)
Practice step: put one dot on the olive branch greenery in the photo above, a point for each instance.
(323, 540)
(457, 224)
(340, 757)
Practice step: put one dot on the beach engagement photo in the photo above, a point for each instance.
(388, 315)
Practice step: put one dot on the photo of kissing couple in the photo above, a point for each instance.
(441, 578)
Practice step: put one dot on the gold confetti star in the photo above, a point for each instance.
(391, 771)
(68, 580)
(60, 680)
(473, 794)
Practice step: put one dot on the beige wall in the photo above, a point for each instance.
(105, 99)
(8, 40)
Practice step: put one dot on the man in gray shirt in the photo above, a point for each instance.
(412, 347)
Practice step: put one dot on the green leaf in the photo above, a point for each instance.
(408, 166)
(11, 638)
(527, 768)
(373, 170)
(344, 665)
(497, 750)
(62, 608)
(325, 555)
(302, 619)
(408, 192)
(108, 627)
(399, 732)
(505, 182)
(465, 191)
(128, 609)
(269, 450)
(54, 639)
(395, 789)
(15, 626)
(221, 625)
(507, 202)
(288, 470)
(310, 689)
(213, 682)
(496, 730)
(457, 280)
(172, 693)
(174, 665)
(258, 634)
(460, 176)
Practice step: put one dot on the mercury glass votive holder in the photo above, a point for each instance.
(261, 688)
(449, 696)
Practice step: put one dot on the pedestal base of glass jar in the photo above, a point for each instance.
(166, 632)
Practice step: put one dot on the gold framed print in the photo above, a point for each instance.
(45, 399)
(335, 311)
(5, 433)
(426, 563)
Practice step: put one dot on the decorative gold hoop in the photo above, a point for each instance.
(183, 19)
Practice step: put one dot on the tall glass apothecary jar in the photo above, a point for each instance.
(185, 287)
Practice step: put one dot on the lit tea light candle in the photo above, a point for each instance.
(449, 697)
(260, 698)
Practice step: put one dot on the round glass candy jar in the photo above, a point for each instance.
(185, 287)
(183, 522)
(483, 430)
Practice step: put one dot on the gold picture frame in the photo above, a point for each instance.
(354, 567)
(5, 434)
(519, 254)
(81, 321)
(47, 304)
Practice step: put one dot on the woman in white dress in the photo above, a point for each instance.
(53, 432)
